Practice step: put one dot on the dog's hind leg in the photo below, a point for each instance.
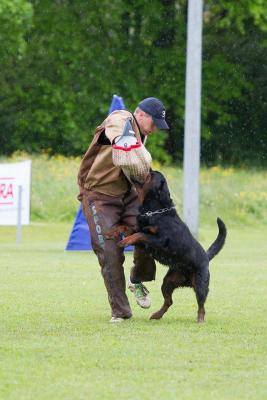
(170, 282)
(201, 286)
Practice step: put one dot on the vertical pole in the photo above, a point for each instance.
(18, 233)
(192, 115)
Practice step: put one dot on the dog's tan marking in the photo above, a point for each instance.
(135, 238)
(116, 232)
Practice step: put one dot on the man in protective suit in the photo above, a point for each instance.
(109, 199)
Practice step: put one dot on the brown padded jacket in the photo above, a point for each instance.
(97, 172)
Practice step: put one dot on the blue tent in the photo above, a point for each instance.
(80, 238)
(116, 104)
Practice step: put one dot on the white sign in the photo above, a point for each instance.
(13, 175)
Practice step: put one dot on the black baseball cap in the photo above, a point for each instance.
(155, 108)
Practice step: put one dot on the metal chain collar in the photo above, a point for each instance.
(161, 211)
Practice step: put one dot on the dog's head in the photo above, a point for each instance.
(154, 192)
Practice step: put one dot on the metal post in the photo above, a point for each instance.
(192, 115)
(18, 232)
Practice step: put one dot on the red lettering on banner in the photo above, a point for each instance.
(6, 193)
(2, 187)
(9, 192)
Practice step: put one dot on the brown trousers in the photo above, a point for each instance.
(104, 212)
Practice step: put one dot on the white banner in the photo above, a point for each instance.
(12, 176)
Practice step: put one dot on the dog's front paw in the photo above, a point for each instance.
(137, 237)
(123, 243)
(112, 234)
(116, 233)
(128, 241)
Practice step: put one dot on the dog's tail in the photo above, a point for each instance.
(217, 245)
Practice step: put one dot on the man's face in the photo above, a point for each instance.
(146, 123)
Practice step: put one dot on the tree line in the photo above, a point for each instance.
(61, 61)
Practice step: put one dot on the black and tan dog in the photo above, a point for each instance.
(166, 237)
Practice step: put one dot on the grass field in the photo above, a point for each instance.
(56, 342)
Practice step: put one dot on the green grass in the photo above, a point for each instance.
(238, 196)
(56, 342)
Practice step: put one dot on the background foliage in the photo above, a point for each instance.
(61, 61)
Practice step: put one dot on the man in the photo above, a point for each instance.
(109, 199)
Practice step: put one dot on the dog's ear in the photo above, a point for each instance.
(164, 193)
(162, 184)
